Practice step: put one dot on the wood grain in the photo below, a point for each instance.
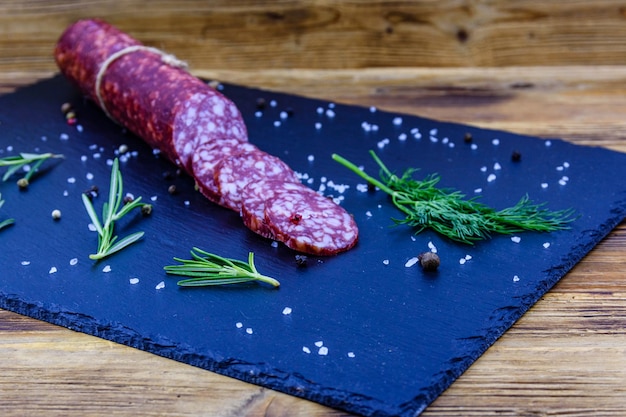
(324, 34)
(546, 68)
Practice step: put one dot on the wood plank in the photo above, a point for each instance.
(566, 356)
(222, 34)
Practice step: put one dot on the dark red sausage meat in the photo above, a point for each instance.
(151, 94)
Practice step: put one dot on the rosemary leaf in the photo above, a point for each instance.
(108, 242)
(208, 269)
(17, 162)
(6, 222)
(449, 213)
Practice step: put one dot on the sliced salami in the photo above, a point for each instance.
(233, 173)
(310, 223)
(204, 119)
(207, 156)
(255, 194)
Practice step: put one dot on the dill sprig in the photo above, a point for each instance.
(112, 210)
(448, 212)
(6, 222)
(206, 268)
(23, 160)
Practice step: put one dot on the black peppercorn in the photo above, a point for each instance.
(260, 103)
(516, 156)
(172, 189)
(468, 137)
(429, 261)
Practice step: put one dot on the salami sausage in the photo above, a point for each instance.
(145, 90)
(205, 159)
(255, 194)
(151, 94)
(310, 222)
(233, 173)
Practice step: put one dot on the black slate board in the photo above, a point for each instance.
(396, 338)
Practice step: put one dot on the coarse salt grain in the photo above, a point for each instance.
(351, 354)
(515, 278)
(73, 261)
(134, 281)
(411, 262)
(516, 239)
(319, 343)
(473, 146)
(306, 349)
(274, 244)
(239, 325)
(311, 158)
(107, 268)
(546, 245)
(432, 247)
(478, 190)
(160, 285)
(71, 180)
(53, 270)
(276, 123)
(249, 330)
(495, 142)
(287, 311)
(491, 178)
(318, 125)
(92, 227)
(483, 169)
(368, 213)
(548, 143)
(25, 263)
(544, 185)
(462, 261)
(323, 351)
(497, 166)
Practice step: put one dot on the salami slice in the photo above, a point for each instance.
(255, 194)
(145, 90)
(310, 223)
(206, 157)
(233, 173)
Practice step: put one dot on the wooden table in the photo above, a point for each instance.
(566, 356)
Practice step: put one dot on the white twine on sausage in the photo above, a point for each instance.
(166, 58)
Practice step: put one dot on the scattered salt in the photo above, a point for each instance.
(478, 190)
(71, 180)
(186, 203)
(318, 125)
(239, 325)
(544, 185)
(287, 311)
(153, 198)
(372, 109)
(92, 227)
(495, 142)
(319, 343)
(432, 247)
(385, 261)
(64, 136)
(546, 245)
(73, 261)
(411, 262)
(330, 113)
(277, 123)
(516, 239)
(53, 270)
(323, 351)
(306, 349)
(402, 137)
(310, 158)
(368, 213)
(497, 166)
(89, 176)
(491, 178)
(249, 330)
(351, 354)
(160, 285)
(473, 146)
(483, 169)
(462, 261)
(107, 268)
(274, 244)
(134, 281)
(397, 121)
(515, 278)
(25, 263)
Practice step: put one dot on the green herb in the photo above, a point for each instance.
(20, 161)
(6, 222)
(209, 269)
(447, 212)
(113, 210)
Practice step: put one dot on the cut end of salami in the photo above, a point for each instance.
(311, 223)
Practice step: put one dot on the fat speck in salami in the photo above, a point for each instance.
(151, 94)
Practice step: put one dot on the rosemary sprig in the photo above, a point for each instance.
(209, 269)
(6, 222)
(108, 243)
(21, 160)
(447, 212)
